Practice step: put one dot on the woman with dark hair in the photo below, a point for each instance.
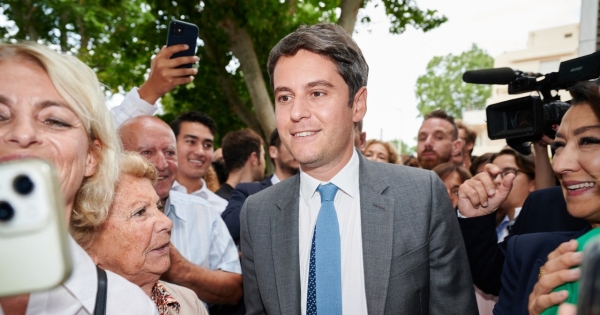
(453, 176)
(523, 167)
(478, 164)
(537, 259)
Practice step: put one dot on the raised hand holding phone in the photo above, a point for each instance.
(166, 73)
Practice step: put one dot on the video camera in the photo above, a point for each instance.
(526, 119)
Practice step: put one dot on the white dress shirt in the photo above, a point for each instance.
(131, 106)
(347, 208)
(275, 179)
(502, 228)
(200, 234)
(219, 203)
(77, 295)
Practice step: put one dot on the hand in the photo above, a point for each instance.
(164, 74)
(479, 195)
(556, 272)
(567, 309)
(179, 266)
(545, 141)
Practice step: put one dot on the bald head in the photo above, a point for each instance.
(153, 139)
(137, 127)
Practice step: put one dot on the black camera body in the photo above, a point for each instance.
(528, 118)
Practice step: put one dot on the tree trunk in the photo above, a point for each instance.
(242, 47)
(224, 79)
(349, 14)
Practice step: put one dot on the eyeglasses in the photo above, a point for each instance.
(508, 170)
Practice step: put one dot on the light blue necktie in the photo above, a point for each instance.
(325, 280)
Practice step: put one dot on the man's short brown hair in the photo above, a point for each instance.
(441, 114)
(237, 147)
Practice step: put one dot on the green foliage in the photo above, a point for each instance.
(117, 38)
(406, 12)
(441, 87)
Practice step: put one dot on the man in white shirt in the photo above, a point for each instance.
(394, 241)
(203, 256)
(194, 131)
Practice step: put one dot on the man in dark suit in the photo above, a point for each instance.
(385, 241)
(244, 157)
(285, 167)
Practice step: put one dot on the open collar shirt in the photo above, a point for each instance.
(200, 234)
(347, 208)
(218, 203)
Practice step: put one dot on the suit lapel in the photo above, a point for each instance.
(377, 223)
(285, 248)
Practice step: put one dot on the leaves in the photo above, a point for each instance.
(441, 87)
(117, 38)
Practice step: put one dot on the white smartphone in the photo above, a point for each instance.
(34, 247)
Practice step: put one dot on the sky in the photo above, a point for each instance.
(395, 61)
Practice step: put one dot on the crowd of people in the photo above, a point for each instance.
(342, 225)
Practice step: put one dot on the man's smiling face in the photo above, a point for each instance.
(314, 119)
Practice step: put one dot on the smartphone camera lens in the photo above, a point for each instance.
(177, 29)
(6, 211)
(23, 185)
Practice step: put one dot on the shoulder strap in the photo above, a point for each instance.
(100, 308)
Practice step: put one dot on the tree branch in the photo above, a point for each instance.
(242, 47)
(349, 13)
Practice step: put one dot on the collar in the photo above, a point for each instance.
(164, 300)
(346, 180)
(83, 281)
(182, 189)
(170, 206)
(275, 179)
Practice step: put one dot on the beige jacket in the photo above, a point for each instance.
(190, 304)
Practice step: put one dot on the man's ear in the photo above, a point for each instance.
(91, 162)
(253, 158)
(469, 146)
(531, 185)
(456, 147)
(359, 107)
(273, 152)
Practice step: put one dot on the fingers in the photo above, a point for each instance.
(549, 281)
(546, 140)
(541, 303)
(491, 171)
(567, 309)
(506, 184)
(564, 261)
(170, 50)
(473, 197)
(570, 246)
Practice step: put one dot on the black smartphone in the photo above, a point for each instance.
(181, 32)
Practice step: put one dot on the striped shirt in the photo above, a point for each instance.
(200, 234)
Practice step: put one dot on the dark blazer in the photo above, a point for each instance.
(231, 215)
(525, 254)
(543, 211)
(413, 255)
